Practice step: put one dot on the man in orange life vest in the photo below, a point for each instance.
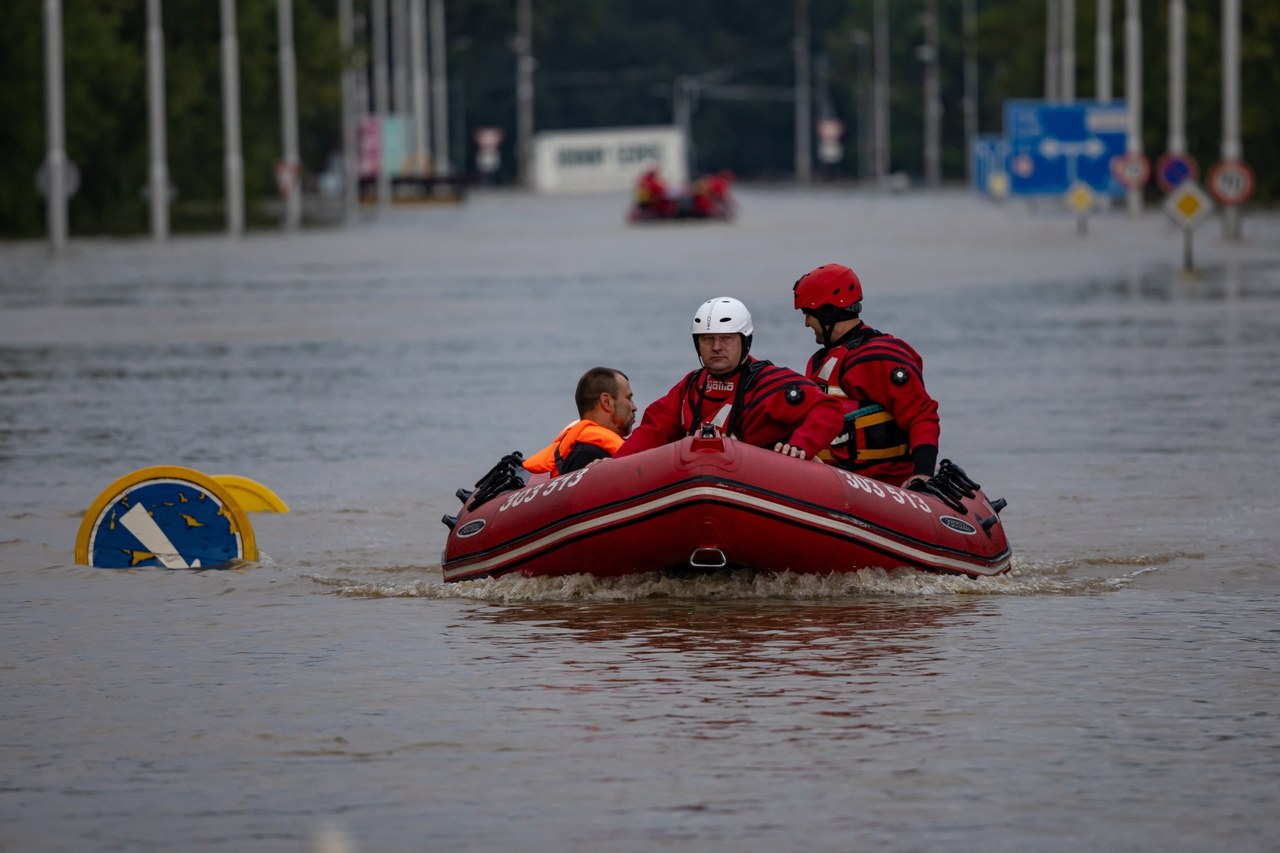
(606, 413)
(755, 401)
(891, 424)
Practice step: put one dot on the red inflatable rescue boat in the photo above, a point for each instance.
(706, 503)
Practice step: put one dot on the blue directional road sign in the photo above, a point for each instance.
(164, 516)
(1054, 146)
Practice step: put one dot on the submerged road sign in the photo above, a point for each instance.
(1054, 146)
(168, 516)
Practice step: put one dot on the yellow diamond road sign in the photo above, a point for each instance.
(1188, 205)
(1080, 197)
(998, 185)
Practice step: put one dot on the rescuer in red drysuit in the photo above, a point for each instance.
(754, 401)
(891, 424)
(651, 194)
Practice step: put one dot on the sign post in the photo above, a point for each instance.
(1188, 206)
(1079, 199)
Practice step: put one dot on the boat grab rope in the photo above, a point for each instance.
(508, 474)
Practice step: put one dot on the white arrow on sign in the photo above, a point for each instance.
(1091, 147)
(140, 523)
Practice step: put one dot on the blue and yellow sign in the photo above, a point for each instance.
(165, 516)
(1051, 147)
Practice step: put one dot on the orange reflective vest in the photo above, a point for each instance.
(551, 457)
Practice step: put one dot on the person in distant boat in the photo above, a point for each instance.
(606, 411)
(711, 195)
(738, 395)
(891, 425)
(651, 194)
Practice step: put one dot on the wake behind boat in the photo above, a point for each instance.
(711, 502)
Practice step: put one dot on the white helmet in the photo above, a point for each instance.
(723, 315)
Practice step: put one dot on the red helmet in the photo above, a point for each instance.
(829, 284)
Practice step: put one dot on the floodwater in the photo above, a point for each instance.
(1117, 691)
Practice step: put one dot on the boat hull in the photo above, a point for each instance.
(707, 503)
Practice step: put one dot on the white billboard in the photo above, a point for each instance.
(607, 160)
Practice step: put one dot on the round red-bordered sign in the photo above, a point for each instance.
(1231, 182)
(1132, 170)
(1172, 169)
(286, 175)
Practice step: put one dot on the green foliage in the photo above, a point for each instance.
(22, 132)
(600, 63)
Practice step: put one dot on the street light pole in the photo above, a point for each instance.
(234, 166)
(381, 87)
(970, 26)
(1133, 91)
(804, 117)
(1177, 143)
(1068, 51)
(350, 138)
(863, 106)
(880, 24)
(440, 90)
(524, 90)
(1102, 65)
(289, 117)
(418, 85)
(932, 98)
(399, 57)
(55, 128)
(1231, 148)
(1052, 50)
(159, 171)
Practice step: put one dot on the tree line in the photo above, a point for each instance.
(600, 63)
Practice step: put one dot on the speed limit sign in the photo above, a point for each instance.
(1132, 170)
(1231, 182)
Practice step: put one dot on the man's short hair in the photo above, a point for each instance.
(596, 381)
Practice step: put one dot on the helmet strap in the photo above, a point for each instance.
(827, 328)
(828, 316)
